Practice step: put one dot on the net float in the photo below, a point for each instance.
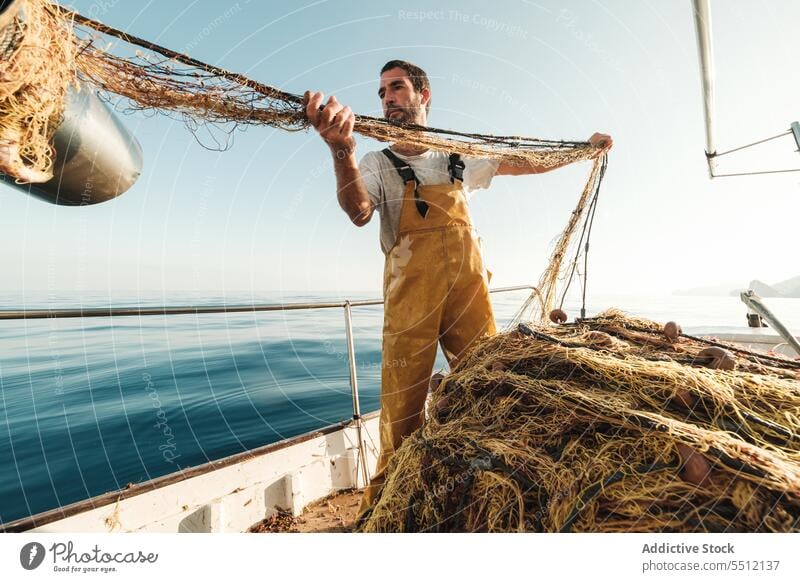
(696, 468)
(672, 330)
(719, 358)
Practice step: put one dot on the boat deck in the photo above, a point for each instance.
(335, 513)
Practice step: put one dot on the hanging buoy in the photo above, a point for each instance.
(89, 157)
(97, 158)
(558, 316)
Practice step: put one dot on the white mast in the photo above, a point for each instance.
(702, 21)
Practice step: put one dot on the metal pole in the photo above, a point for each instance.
(82, 312)
(165, 310)
(754, 302)
(702, 21)
(795, 127)
(351, 356)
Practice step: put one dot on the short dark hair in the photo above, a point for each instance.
(419, 78)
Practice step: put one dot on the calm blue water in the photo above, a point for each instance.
(90, 405)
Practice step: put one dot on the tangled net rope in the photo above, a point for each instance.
(602, 425)
(170, 81)
(37, 56)
(160, 79)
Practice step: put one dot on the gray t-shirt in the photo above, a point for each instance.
(386, 188)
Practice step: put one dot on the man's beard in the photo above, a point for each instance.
(407, 115)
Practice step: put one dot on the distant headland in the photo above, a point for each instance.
(790, 288)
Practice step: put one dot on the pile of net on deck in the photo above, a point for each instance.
(46, 49)
(609, 424)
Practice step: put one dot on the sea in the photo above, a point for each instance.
(88, 406)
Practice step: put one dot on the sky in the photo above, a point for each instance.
(262, 217)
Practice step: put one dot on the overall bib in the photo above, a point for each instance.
(435, 289)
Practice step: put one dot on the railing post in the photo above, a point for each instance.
(351, 357)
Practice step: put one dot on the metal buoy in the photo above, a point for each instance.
(97, 158)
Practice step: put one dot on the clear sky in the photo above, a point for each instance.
(263, 216)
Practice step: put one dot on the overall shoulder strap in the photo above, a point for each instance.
(405, 171)
(408, 175)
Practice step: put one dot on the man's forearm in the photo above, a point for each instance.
(335, 125)
(523, 169)
(350, 189)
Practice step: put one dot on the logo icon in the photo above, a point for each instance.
(31, 555)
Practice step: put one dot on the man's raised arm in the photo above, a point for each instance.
(602, 141)
(335, 123)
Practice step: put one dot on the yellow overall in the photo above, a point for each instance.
(435, 289)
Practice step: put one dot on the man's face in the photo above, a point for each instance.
(401, 102)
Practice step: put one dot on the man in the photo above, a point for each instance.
(435, 285)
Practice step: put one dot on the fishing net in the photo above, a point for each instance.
(155, 78)
(611, 424)
(37, 55)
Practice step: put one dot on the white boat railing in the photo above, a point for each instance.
(346, 305)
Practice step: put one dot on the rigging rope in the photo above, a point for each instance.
(749, 145)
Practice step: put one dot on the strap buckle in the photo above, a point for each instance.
(456, 168)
